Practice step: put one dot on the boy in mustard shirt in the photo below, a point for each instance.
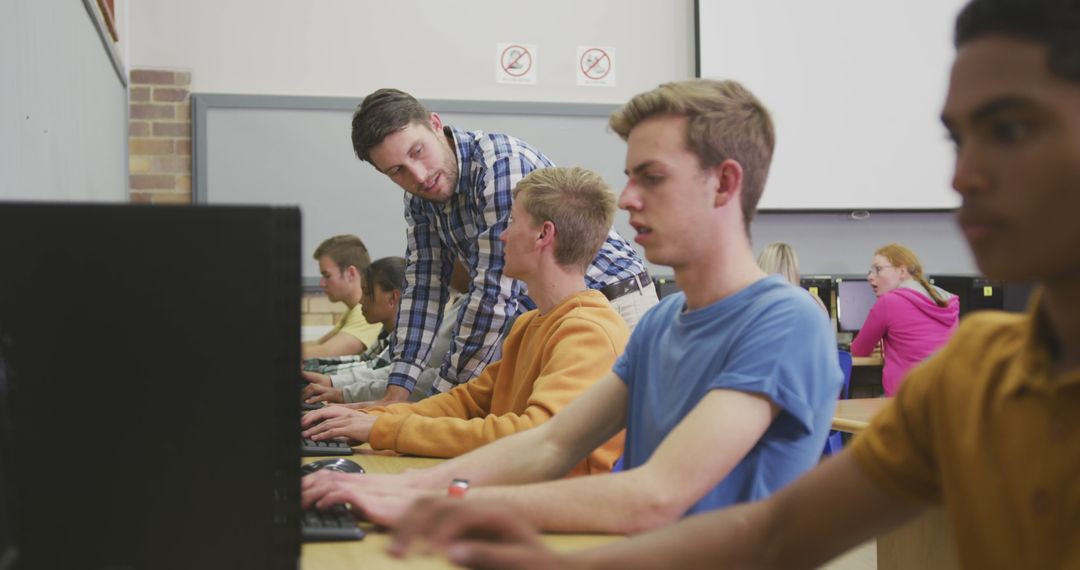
(559, 219)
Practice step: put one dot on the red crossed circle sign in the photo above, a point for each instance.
(516, 60)
(595, 63)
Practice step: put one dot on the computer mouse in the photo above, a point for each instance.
(333, 463)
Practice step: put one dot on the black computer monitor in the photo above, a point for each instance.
(151, 361)
(854, 297)
(821, 286)
(978, 293)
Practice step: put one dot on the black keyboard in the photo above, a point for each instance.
(312, 448)
(334, 523)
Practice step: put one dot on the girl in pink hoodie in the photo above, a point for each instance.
(911, 317)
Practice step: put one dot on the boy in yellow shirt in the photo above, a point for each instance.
(342, 260)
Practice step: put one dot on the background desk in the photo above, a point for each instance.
(370, 553)
(866, 376)
(925, 543)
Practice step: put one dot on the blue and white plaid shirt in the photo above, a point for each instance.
(467, 227)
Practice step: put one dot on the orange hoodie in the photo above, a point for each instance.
(548, 360)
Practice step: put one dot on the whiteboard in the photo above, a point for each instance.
(855, 88)
(284, 150)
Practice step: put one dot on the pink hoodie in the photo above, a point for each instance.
(912, 326)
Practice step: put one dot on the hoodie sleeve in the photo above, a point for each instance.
(877, 322)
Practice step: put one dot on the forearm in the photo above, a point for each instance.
(732, 538)
(616, 503)
(525, 457)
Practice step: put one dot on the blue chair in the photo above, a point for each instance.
(835, 442)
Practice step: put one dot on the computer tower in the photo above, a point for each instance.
(151, 358)
(665, 286)
(822, 286)
(976, 293)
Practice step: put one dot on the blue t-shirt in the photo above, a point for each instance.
(769, 338)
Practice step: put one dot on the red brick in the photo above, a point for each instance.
(183, 182)
(169, 95)
(141, 197)
(172, 129)
(153, 182)
(140, 94)
(183, 78)
(172, 165)
(138, 129)
(144, 111)
(152, 77)
(150, 146)
(183, 147)
(183, 111)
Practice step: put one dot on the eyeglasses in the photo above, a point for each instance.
(877, 270)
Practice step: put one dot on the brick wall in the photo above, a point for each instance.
(159, 136)
(317, 310)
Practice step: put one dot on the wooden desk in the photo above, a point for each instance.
(852, 416)
(370, 553)
(924, 543)
(872, 360)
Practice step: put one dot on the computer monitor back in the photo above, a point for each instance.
(150, 357)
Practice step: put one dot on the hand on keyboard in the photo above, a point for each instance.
(335, 523)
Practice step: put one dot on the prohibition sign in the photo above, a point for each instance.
(595, 63)
(515, 60)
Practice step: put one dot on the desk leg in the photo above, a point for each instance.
(924, 543)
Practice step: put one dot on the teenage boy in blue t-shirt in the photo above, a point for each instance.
(726, 390)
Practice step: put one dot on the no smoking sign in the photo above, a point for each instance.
(596, 66)
(515, 63)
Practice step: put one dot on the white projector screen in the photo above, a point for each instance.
(855, 88)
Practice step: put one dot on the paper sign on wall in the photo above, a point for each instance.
(515, 63)
(595, 66)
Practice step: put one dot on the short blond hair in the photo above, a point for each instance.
(580, 205)
(725, 121)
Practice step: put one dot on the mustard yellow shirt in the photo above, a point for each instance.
(354, 324)
(985, 428)
(548, 360)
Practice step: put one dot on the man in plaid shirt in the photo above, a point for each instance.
(458, 194)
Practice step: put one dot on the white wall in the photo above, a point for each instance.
(63, 129)
(445, 50)
(430, 48)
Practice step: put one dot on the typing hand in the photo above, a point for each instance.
(381, 499)
(338, 421)
(474, 534)
(316, 393)
(316, 378)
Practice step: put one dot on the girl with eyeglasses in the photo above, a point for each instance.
(911, 318)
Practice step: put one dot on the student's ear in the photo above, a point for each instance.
(352, 273)
(547, 233)
(729, 178)
(395, 297)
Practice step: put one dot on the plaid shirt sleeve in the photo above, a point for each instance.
(422, 298)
